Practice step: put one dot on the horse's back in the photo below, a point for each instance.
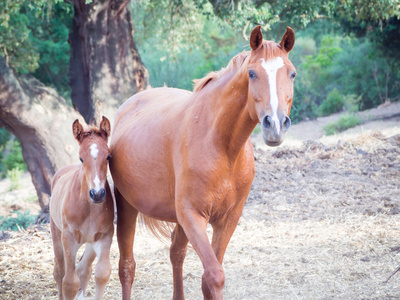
(148, 103)
(146, 131)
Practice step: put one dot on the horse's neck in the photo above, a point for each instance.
(232, 122)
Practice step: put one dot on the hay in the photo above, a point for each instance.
(321, 222)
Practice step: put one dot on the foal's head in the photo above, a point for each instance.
(271, 76)
(94, 155)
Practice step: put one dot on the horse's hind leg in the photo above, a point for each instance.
(59, 271)
(84, 269)
(177, 256)
(126, 226)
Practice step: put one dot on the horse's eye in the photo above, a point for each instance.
(252, 74)
(81, 160)
(293, 74)
(108, 157)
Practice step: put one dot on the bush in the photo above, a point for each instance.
(10, 153)
(21, 221)
(15, 177)
(332, 104)
(345, 122)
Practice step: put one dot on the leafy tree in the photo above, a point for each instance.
(104, 71)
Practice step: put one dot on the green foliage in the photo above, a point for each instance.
(34, 39)
(15, 178)
(21, 221)
(13, 158)
(345, 122)
(333, 103)
(175, 53)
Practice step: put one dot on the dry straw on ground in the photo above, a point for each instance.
(321, 222)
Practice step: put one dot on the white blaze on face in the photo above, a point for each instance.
(271, 67)
(94, 151)
(96, 182)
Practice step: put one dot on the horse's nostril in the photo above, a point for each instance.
(91, 194)
(286, 123)
(266, 122)
(103, 193)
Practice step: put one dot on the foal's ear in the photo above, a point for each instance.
(77, 130)
(287, 41)
(105, 127)
(256, 38)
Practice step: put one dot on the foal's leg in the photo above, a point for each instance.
(58, 272)
(177, 256)
(126, 225)
(84, 269)
(222, 232)
(103, 268)
(70, 282)
(195, 226)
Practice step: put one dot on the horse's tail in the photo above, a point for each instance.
(160, 229)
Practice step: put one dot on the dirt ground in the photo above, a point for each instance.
(321, 222)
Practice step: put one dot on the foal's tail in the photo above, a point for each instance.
(161, 229)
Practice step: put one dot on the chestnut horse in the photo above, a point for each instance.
(82, 212)
(187, 157)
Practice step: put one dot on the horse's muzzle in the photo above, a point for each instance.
(273, 131)
(97, 196)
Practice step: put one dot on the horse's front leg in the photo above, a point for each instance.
(70, 282)
(126, 226)
(84, 269)
(177, 256)
(223, 230)
(103, 268)
(195, 226)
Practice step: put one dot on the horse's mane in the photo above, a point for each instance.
(92, 130)
(271, 49)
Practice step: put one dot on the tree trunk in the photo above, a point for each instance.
(42, 121)
(105, 67)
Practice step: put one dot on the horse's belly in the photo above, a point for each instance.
(142, 173)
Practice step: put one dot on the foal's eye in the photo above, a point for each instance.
(108, 157)
(252, 74)
(293, 74)
(81, 160)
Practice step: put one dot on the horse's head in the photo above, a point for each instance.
(271, 76)
(94, 155)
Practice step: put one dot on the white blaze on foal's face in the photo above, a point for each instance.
(271, 67)
(94, 151)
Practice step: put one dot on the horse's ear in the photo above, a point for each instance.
(105, 127)
(256, 38)
(77, 130)
(288, 39)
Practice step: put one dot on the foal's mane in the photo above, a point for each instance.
(270, 49)
(92, 131)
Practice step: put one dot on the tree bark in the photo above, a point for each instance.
(42, 121)
(105, 67)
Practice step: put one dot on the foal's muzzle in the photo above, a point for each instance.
(97, 196)
(273, 131)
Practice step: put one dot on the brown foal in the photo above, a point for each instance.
(82, 212)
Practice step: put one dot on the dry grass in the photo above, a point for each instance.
(320, 223)
(349, 258)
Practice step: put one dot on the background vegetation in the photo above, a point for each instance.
(346, 52)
